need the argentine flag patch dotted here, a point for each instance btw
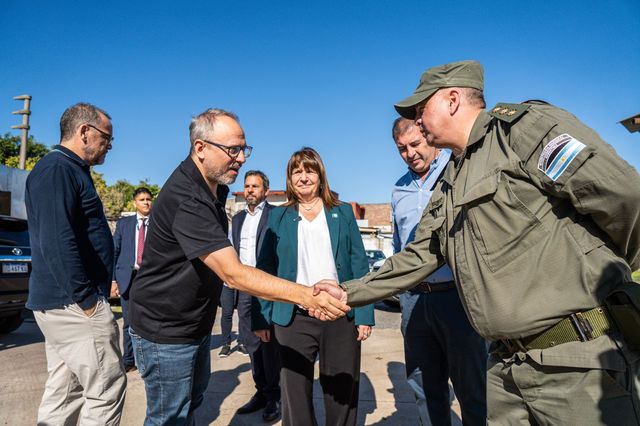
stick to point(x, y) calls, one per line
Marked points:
point(558, 154)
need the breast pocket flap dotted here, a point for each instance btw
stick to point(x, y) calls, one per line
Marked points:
point(487, 186)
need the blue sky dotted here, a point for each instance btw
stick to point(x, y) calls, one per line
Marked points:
point(319, 74)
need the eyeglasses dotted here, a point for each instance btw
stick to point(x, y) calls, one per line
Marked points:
point(106, 135)
point(232, 151)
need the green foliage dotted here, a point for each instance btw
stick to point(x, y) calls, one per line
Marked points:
point(10, 151)
point(636, 276)
point(118, 197)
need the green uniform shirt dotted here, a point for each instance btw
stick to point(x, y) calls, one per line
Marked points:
point(538, 218)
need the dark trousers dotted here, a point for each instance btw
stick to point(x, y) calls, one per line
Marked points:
point(127, 347)
point(231, 299)
point(339, 352)
point(265, 368)
point(439, 343)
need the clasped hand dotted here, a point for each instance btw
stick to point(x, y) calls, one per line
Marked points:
point(327, 302)
point(330, 301)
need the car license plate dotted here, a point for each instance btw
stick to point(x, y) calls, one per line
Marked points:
point(15, 268)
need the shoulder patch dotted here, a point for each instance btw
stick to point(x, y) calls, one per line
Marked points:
point(508, 112)
point(558, 154)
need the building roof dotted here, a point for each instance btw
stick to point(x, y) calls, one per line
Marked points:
point(632, 123)
point(271, 192)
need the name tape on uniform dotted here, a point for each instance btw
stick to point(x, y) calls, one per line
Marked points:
point(558, 154)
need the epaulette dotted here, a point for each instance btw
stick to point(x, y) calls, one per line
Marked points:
point(536, 102)
point(508, 112)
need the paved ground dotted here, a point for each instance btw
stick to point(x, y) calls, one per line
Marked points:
point(385, 398)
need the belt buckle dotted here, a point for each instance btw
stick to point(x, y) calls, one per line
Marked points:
point(514, 345)
point(582, 326)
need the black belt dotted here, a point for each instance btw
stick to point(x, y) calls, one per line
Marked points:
point(426, 287)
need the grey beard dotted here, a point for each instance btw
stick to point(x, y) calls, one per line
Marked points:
point(221, 177)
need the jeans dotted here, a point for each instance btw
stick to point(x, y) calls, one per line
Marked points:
point(439, 343)
point(175, 378)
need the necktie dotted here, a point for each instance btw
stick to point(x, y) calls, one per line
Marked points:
point(141, 233)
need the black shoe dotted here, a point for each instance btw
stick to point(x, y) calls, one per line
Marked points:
point(271, 411)
point(243, 350)
point(256, 402)
point(225, 351)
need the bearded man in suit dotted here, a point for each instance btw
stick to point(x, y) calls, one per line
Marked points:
point(248, 228)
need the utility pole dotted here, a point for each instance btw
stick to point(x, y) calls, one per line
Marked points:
point(25, 112)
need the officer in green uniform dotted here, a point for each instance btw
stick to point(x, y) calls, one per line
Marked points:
point(539, 220)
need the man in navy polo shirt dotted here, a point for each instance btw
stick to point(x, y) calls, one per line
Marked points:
point(72, 256)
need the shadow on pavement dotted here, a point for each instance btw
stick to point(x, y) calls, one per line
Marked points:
point(221, 385)
point(396, 373)
point(27, 334)
point(370, 405)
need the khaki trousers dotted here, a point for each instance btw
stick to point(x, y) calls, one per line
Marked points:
point(525, 393)
point(87, 381)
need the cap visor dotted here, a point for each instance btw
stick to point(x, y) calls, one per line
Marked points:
point(407, 107)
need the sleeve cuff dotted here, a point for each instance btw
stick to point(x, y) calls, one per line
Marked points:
point(88, 302)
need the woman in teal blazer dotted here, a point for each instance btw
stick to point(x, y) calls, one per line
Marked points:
point(314, 237)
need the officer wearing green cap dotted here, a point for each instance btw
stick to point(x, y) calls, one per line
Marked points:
point(539, 219)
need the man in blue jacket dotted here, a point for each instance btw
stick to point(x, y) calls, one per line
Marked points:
point(128, 244)
point(72, 252)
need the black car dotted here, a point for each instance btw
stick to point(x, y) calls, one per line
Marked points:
point(15, 261)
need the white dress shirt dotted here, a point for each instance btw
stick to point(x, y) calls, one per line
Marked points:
point(249, 235)
point(315, 256)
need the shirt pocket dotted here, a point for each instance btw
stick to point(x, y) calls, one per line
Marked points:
point(501, 226)
point(436, 211)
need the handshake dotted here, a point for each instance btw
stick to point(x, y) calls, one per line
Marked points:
point(327, 301)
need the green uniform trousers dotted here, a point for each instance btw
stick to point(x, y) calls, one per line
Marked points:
point(522, 392)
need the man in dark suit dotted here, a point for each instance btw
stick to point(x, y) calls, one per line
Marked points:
point(128, 241)
point(248, 228)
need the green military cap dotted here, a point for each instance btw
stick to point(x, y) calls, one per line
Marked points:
point(455, 74)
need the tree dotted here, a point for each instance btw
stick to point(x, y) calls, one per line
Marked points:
point(116, 198)
point(10, 151)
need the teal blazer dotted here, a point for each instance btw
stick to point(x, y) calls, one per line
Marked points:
point(279, 256)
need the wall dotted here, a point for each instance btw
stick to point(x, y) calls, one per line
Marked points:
point(14, 181)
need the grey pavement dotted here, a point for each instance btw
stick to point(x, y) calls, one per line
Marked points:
point(385, 397)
